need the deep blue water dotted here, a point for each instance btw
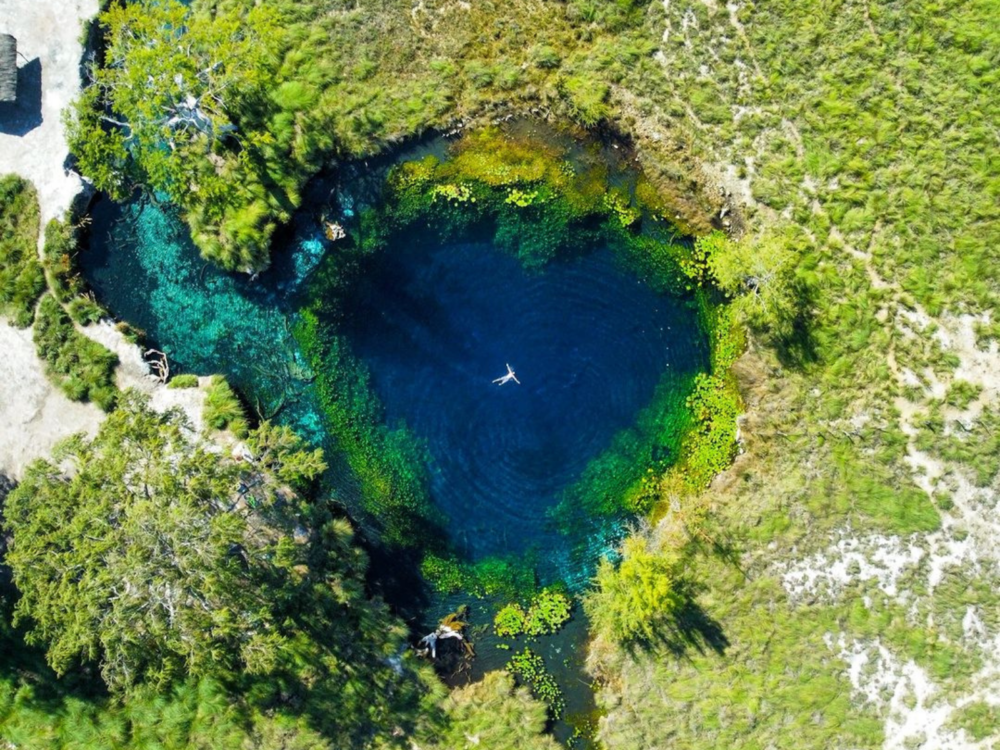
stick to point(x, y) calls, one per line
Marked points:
point(589, 343)
point(435, 323)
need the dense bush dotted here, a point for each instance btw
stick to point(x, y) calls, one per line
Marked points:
point(21, 279)
point(64, 278)
point(303, 84)
point(633, 600)
point(497, 714)
point(82, 368)
point(223, 409)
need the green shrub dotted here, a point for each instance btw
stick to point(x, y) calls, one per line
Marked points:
point(83, 369)
point(64, 278)
point(21, 278)
point(184, 380)
point(979, 719)
point(223, 408)
point(633, 600)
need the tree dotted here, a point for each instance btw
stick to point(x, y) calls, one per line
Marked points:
point(758, 275)
point(492, 713)
point(631, 601)
point(144, 555)
point(173, 110)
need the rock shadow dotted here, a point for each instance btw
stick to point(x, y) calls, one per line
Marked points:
point(24, 114)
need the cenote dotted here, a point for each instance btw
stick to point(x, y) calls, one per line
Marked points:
point(409, 320)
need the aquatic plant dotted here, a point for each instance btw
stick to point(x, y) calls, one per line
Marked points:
point(387, 462)
point(547, 612)
point(529, 668)
point(510, 620)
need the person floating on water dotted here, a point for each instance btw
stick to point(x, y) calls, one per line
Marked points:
point(503, 379)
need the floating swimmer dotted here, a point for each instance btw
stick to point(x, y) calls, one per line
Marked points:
point(503, 379)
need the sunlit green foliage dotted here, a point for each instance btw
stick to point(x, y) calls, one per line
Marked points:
point(83, 369)
point(492, 713)
point(59, 256)
point(508, 578)
point(223, 409)
point(157, 559)
point(21, 278)
point(509, 621)
point(547, 612)
point(633, 599)
point(176, 108)
point(128, 560)
point(980, 720)
point(184, 380)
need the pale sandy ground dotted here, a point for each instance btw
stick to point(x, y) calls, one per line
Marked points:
point(49, 30)
point(34, 415)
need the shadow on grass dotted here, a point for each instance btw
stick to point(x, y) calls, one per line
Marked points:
point(796, 347)
point(688, 628)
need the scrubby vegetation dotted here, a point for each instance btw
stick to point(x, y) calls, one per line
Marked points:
point(59, 257)
point(223, 410)
point(222, 606)
point(21, 279)
point(83, 369)
point(858, 138)
point(497, 714)
point(280, 87)
point(183, 380)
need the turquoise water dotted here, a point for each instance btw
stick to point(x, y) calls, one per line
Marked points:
point(435, 324)
point(144, 268)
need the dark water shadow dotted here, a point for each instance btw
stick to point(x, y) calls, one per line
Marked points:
point(24, 114)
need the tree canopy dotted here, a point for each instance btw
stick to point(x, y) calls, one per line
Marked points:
point(633, 599)
point(172, 110)
point(137, 549)
point(492, 713)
